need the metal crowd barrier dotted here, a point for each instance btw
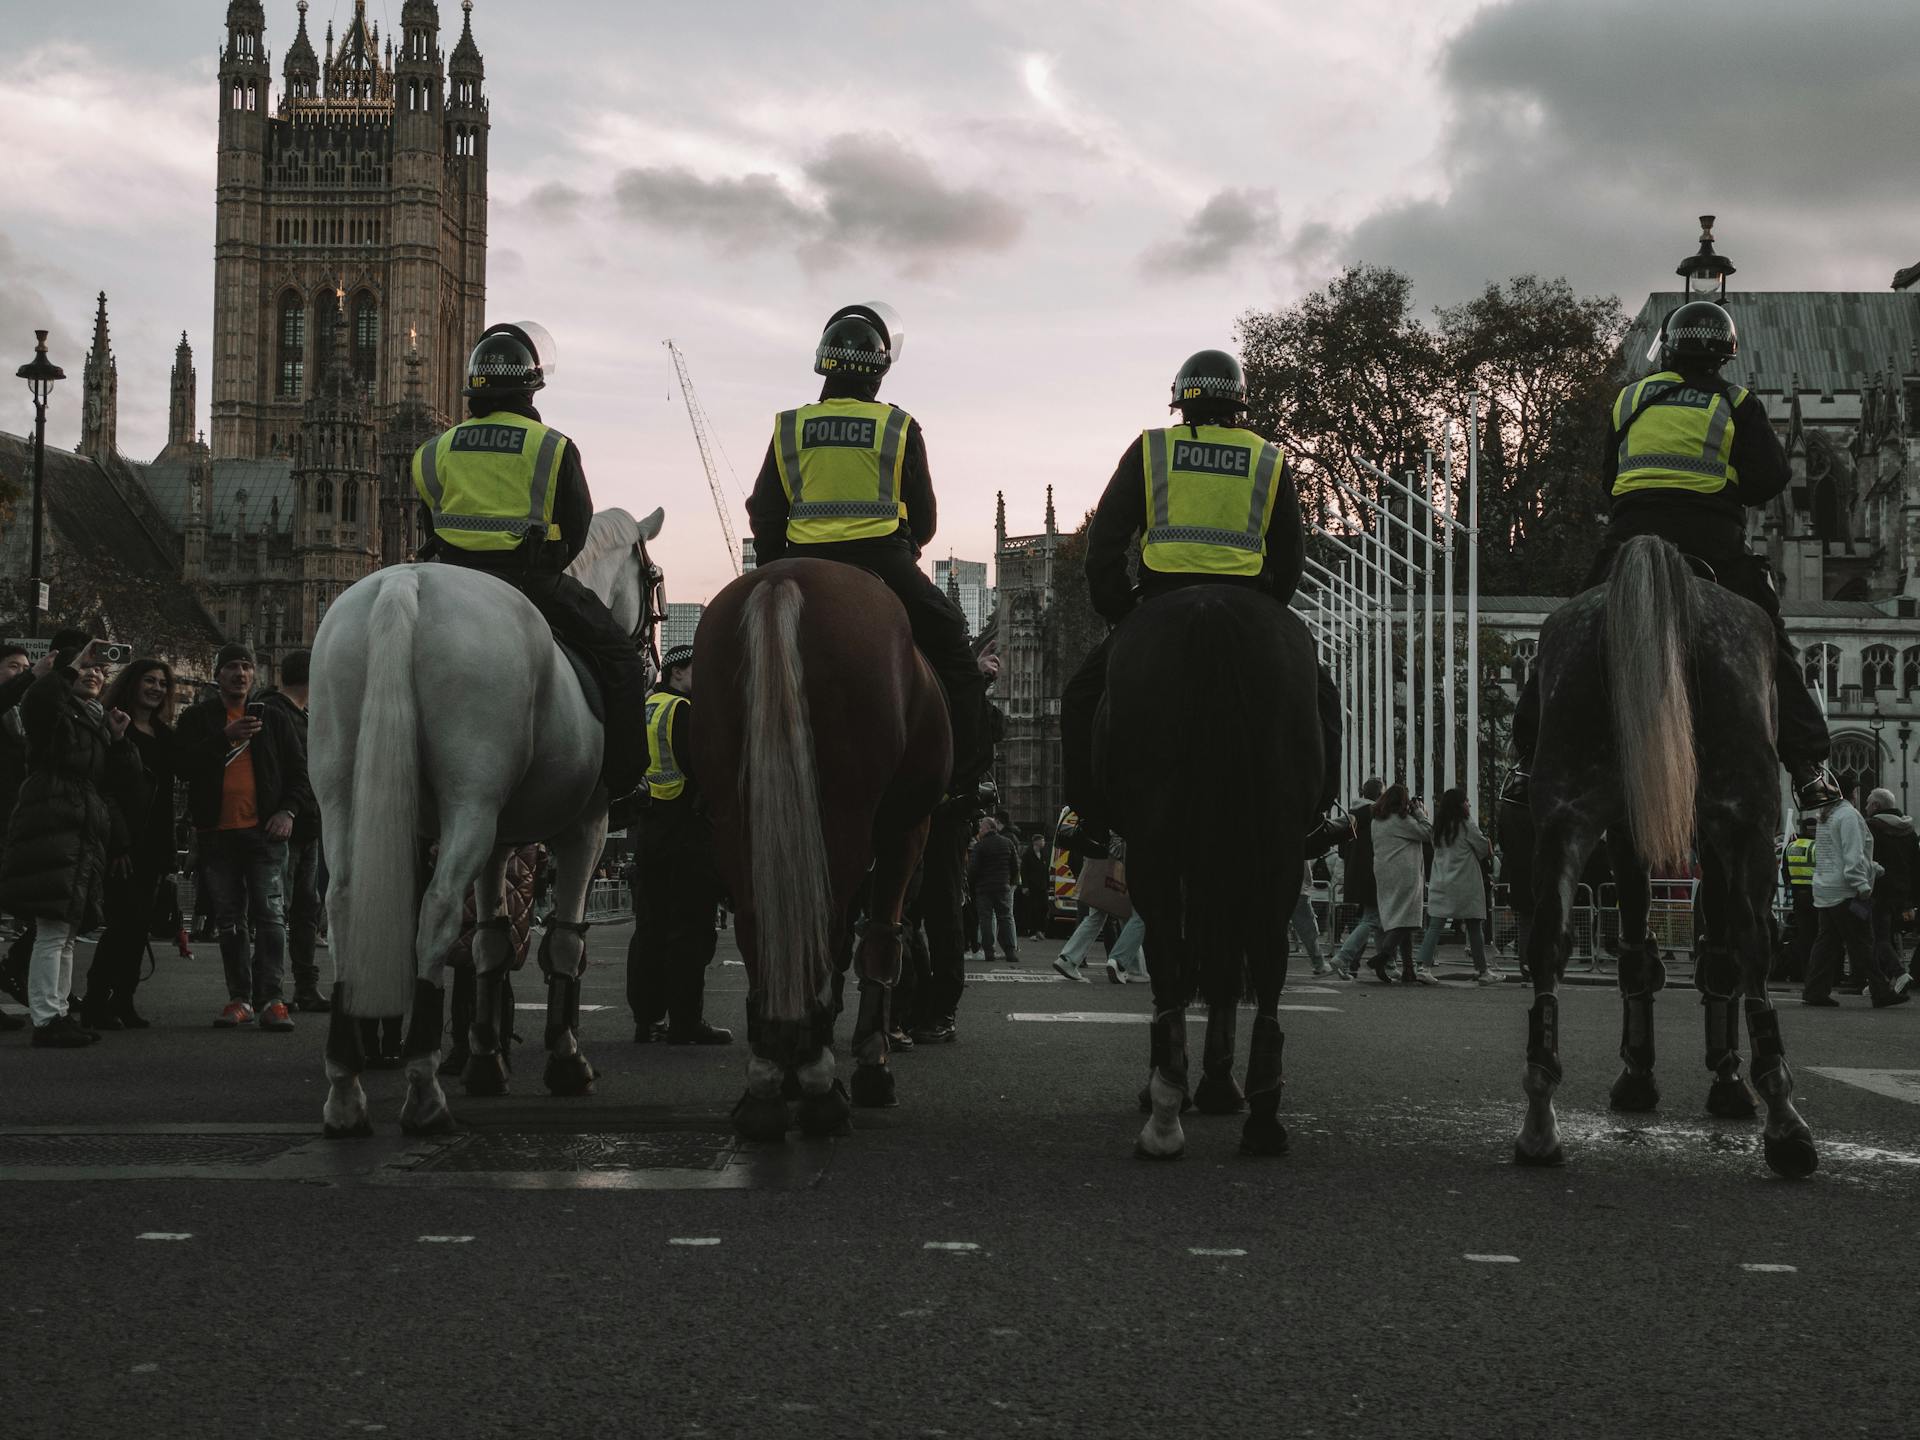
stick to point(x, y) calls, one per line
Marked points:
point(608, 900)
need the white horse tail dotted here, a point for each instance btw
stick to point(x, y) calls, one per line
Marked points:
point(1649, 619)
point(792, 889)
point(376, 954)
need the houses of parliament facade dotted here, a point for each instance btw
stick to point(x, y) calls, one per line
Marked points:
point(349, 283)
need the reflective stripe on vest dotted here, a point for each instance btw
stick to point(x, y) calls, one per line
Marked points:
point(489, 482)
point(1800, 861)
point(664, 780)
point(840, 463)
point(1210, 497)
point(1682, 441)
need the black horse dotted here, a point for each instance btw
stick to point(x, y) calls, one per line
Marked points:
point(1209, 753)
point(1656, 693)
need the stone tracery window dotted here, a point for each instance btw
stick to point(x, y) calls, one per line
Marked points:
point(1876, 669)
point(1820, 664)
point(1856, 762)
point(293, 345)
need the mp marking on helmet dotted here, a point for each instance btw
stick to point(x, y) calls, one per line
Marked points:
point(1212, 459)
point(855, 432)
point(494, 439)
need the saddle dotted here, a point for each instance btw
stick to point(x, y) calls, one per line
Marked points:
point(589, 681)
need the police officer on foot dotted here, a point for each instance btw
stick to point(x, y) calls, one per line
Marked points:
point(677, 889)
point(1216, 506)
point(846, 479)
point(504, 493)
point(1687, 454)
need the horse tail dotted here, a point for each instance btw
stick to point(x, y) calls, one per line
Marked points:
point(1647, 625)
point(792, 888)
point(375, 952)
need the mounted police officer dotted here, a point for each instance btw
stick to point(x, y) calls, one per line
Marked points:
point(1687, 454)
point(504, 492)
point(1215, 505)
point(676, 888)
point(845, 478)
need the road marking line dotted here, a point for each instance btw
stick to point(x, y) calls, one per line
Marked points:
point(1894, 1084)
point(164, 1235)
point(694, 1240)
point(1772, 1269)
point(1131, 1017)
point(1203, 1250)
point(1493, 1259)
point(954, 1245)
point(542, 1005)
point(1016, 977)
point(446, 1239)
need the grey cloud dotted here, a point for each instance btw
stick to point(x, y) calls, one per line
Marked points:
point(1584, 139)
point(24, 308)
point(863, 192)
point(1231, 223)
point(555, 200)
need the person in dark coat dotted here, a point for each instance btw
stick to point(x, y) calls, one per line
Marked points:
point(301, 884)
point(1036, 886)
point(1361, 891)
point(144, 691)
point(991, 868)
point(1897, 851)
point(16, 678)
point(67, 825)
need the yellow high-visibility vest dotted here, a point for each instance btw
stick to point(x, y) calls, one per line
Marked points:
point(1800, 860)
point(840, 463)
point(664, 778)
point(490, 482)
point(1682, 441)
point(1210, 497)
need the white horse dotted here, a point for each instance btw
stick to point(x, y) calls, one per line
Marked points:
point(445, 711)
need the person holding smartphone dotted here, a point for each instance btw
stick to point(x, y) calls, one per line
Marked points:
point(68, 826)
point(246, 774)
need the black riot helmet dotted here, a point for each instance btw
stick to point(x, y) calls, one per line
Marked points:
point(510, 362)
point(856, 341)
point(1698, 336)
point(1211, 382)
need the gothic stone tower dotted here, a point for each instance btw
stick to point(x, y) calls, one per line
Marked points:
point(336, 477)
point(369, 179)
point(100, 400)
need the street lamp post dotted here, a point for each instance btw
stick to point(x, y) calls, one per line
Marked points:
point(1876, 724)
point(1904, 734)
point(39, 373)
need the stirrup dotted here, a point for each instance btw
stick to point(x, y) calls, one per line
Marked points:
point(1819, 790)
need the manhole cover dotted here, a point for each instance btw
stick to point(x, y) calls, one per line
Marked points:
point(99, 1151)
point(671, 1150)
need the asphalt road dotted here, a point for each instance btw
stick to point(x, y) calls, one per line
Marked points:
point(987, 1258)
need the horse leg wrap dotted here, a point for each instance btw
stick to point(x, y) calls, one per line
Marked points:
point(1218, 1093)
point(870, 1026)
point(563, 1013)
point(563, 949)
point(1543, 1036)
point(1264, 1080)
point(1170, 1047)
point(486, 1036)
point(1717, 973)
point(343, 1036)
point(429, 1022)
point(1771, 1072)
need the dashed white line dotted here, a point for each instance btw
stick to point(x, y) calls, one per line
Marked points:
point(955, 1245)
point(694, 1240)
point(1772, 1269)
point(1204, 1250)
point(542, 1005)
point(1493, 1259)
point(446, 1239)
point(164, 1235)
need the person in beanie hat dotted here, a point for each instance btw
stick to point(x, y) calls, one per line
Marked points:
point(676, 887)
point(301, 883)
point(246, 774)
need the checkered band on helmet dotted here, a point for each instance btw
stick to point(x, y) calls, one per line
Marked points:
point(1700, 330)
point(1210, 376)
point(852, 345)
point(678, 655)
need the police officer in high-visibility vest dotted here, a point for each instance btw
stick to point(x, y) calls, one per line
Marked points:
point(1686, 455)
point(1215, 505)
point(845, 478)
point(676, 886)
point(504, 492)
point(1803, 922)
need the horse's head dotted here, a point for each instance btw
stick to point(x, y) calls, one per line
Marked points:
point(614, 564)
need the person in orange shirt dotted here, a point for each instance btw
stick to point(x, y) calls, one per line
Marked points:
point(246, 772)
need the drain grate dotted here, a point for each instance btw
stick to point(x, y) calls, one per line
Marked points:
point(604, 1152)
point(106, 1151)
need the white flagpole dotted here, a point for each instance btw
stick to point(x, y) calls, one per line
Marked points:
point(1473, 608)
point(1448, 769)
point(1412, 691)
point(1426, 659)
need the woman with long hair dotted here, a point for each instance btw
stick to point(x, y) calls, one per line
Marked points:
point(1400, 834)
point(1457, 889)
point(144, 692)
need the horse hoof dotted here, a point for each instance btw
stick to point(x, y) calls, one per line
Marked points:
point(1549, 1160)
point(485, 1075)
point(1634, 1094)
point(1218, 1095)
point(1792, 1155)
point(437, 1123)
point(358, 1130)
point(1263, 1135)
point(1141, 1152)
point(1146, 1100)
point(568, 1075)
point(1732, 1100)
point(873, 1087)
point(827, 1114)
point(760, 1118)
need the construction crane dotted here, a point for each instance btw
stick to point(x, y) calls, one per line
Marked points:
point(698, 419)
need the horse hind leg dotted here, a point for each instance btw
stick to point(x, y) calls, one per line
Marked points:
point(1218, 1093)
point(345, 1113)
point(879, 961)
point(1562, 853)
point(1161, 1138)
point(563, 958)
point(1263, 1134)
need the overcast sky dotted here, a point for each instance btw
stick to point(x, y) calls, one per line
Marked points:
point(1062, 199)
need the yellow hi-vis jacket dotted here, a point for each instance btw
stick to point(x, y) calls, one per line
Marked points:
point(1682, 441)
point(1800, 860)
point(664, 778)
point(1210, 497)
point(490, 482)
point(840, 463)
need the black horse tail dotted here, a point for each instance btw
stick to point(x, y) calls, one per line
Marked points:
point(1649, 617)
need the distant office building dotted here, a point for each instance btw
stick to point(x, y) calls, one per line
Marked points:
point(966, 582)
point(683, 618)
point(747, 562)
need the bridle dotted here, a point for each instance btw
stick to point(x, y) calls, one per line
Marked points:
point(653, 611)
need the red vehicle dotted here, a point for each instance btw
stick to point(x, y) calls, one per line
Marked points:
point(1063, 911)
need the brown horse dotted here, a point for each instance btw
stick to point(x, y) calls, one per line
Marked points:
point(833, 730)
